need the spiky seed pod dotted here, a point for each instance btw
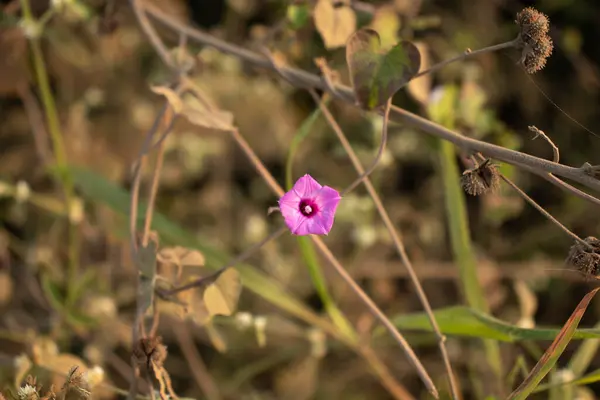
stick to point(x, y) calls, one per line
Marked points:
point(532, 23)
point(536, 45)
point(585, 258)
point(481, 179)
point(534, 58)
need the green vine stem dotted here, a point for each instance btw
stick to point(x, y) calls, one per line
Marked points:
point(61, 168)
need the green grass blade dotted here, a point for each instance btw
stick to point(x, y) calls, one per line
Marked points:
point(306, 247)
point(468, 322)
point(552, 354)
point(99, 190)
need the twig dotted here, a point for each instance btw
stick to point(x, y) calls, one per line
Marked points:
point(305, 79)
point(384, 136)
point(398, 244)
point(205, 280)
point(150, 32)
point(468, 53)
point(155, 179)
point(278, 190)
point(540, 133)
point(543, 211)
point(194, 360)
point(540, 208)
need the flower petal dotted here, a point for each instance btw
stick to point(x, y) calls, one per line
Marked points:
point(327, 199)
point(306, 186)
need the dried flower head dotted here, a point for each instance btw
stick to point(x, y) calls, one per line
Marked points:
point(75, 386)
point(481, 179)
point(532, 22)
point(536, 45)
point(150, 351)
point(309, 208)
point(585, 258)
point(28, 392)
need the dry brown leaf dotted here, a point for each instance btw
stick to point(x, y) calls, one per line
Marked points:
point(197, 113)
point(216, 338)
point(335, 24)
point(181, 256)
point(221, 297)
point(420, 87)
point(172, 97)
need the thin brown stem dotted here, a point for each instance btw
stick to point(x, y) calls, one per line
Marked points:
point(466, 54)
point(205, 280)
point(540, 133)
point(305, 79)
point(398, 243)
point(150, 32)
point(156, 179)
point(278, 190)
point(380, 151)
point(543, 211)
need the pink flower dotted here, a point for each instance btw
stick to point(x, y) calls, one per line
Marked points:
point(309, 208)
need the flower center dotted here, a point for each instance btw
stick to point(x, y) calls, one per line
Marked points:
point(308, 207)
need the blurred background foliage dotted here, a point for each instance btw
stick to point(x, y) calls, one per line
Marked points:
point(101, 68)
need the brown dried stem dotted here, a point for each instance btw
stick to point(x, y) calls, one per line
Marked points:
point(384, 136)
point(469, 53)
point(305, 79)
point(395, 235)
point(539, 208)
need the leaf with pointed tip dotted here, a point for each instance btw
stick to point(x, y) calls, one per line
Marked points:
point(376, 75)
point(550, 357)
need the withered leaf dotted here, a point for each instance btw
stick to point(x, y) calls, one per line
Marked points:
point(334, 23)
point(181, 256)
point(221, 297)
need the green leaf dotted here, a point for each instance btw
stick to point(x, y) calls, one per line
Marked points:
point(53, 293)
point(221, 297)
point(298, 15)
point(97, 189)
point(465, 321)
point(552, 354)
point(377, 75)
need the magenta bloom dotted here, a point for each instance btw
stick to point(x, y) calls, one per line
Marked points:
point(309, 208)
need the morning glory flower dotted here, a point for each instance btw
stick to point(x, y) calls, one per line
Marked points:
point(309, 208)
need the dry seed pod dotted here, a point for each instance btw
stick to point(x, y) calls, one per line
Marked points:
point(584, 258)
point(481, 179)
point(150, 351)
point(536, 45)
point(532, 22)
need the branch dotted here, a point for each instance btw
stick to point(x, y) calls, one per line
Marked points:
point(304, 79)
